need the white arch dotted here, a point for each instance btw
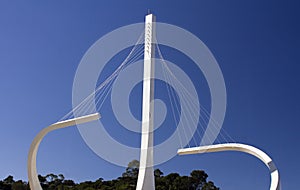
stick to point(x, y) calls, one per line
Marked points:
point(275, 181)
point(31, 163)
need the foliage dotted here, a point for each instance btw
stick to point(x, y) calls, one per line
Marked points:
point(173, 181)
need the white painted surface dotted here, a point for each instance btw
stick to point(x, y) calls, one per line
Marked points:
point(275, 181)
point(146, 173)
point(31, 163)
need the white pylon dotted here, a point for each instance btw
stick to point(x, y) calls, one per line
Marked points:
point(146, 175)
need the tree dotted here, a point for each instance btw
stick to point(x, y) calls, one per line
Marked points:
point(51, 178)
point(69, 183)
point(158, 173)
point(173, 181)
point(132, 169)
point(98, 183)
point(9, 180)
point(61, 177)
point(182, 183)
point(4, 186)
point(169, 179)
point(159, 180)
point(19, 185)
point(84, 185)
point(198, 178)
point(89, 188)
point(43, 181)
point(209, 186)
point(129, 177)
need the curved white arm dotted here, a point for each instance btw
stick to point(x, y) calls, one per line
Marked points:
point(275, 181)
point(31, 163)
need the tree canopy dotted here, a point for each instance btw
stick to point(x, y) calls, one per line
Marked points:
point(197, 180)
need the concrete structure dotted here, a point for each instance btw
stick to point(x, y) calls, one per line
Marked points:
point(31, 162)
point(146, 173)
point(275, 181)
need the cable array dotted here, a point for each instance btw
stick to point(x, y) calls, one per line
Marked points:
point(190, 117)
point(101, 92)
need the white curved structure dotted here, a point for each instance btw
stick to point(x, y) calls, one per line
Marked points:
point(31, 163)
point(275, 181)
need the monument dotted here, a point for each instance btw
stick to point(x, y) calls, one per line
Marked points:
point(146, 172)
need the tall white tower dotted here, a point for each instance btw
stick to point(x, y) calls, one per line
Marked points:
point(146, 173)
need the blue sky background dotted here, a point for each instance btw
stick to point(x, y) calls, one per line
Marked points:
point(256, 44)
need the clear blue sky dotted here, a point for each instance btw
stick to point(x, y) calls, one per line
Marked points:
point(256, 44)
